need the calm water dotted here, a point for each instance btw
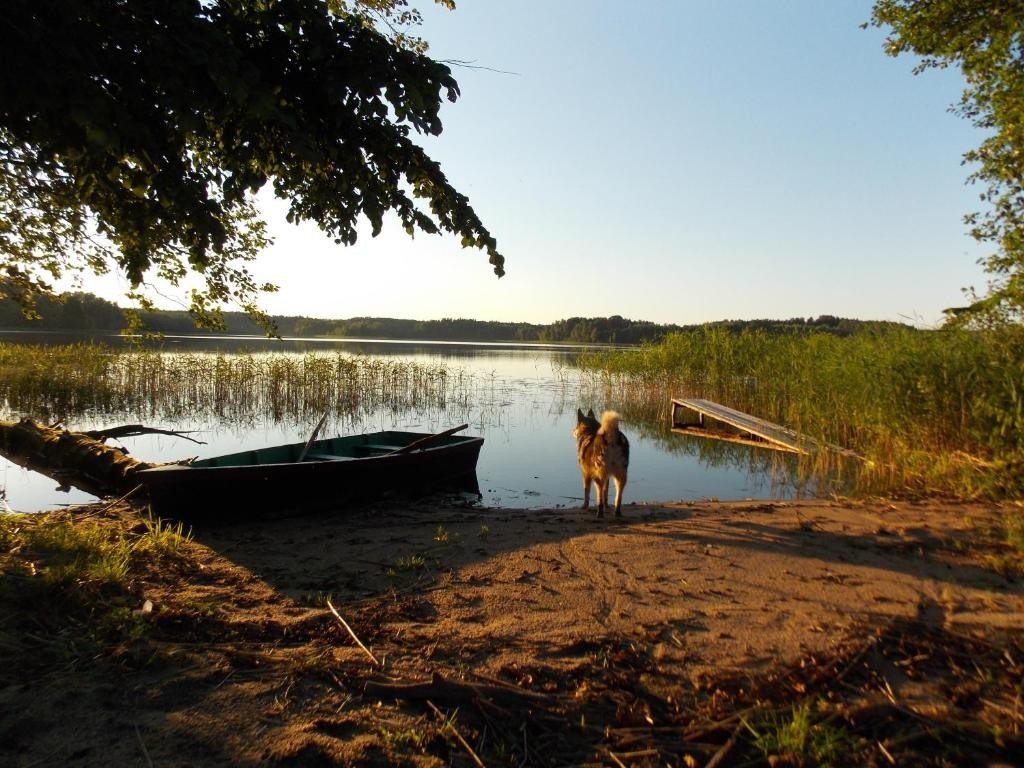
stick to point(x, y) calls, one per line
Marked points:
point(524, 405)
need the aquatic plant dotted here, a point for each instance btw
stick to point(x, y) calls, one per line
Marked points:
point(53, 381)
point(929, 411)
point(64, 382)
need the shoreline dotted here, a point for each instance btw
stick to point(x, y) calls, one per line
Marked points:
point(550, 613)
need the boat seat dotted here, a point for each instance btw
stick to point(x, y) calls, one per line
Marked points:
point(325, 457)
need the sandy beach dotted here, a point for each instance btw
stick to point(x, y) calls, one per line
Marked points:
point(607, 624)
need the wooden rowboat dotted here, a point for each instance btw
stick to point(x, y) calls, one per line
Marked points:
point(311, 476)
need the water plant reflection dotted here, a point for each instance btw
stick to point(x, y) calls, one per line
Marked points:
point(521, 400)
point(63, 383)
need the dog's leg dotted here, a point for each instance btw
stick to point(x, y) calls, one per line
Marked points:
point(620, 483)
point(586, 491)
point(602, 496)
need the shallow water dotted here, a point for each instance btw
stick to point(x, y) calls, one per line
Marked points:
point(523, 402)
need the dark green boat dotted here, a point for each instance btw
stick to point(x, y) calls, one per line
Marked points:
point(311, 476)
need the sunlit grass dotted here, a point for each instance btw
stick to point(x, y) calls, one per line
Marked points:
point(163, 538)
point(800, 740)
point(407, 564)
point(63, 554)
point(929, 411)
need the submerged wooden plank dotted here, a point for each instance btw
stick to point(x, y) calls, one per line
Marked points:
point(732, 437)
point(709, 419)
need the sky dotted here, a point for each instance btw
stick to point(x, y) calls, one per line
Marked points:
point(673, 161)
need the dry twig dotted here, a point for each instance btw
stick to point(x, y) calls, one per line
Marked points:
point(721, 754)
point(353, 634)
point(142, 744)
point(458, 736)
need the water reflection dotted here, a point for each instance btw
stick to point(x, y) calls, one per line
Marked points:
point(521, 399)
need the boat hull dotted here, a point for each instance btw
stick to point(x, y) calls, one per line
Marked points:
point(207, 493)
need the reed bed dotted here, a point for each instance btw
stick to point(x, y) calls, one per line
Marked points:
point(48, 380)
point(237, 388)
point(929, 411)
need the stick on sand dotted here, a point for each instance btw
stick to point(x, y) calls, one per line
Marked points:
point(352, 634)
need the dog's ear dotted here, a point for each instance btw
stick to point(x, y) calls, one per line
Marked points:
point(590, 414)
point(579, 415)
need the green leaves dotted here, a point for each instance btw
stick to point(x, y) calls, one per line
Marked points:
point(141, 137)
point(985, 38)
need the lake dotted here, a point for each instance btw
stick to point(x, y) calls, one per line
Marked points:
point(521, 398)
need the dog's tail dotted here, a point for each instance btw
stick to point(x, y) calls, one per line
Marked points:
point(609, 422)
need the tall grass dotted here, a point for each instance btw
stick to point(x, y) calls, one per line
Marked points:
point(240, 388)
point(937, 411)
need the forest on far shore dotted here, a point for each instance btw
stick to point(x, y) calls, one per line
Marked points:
point(85, 312)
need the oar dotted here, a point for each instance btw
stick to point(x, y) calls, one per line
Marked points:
point(423, 442)
point(316, 431)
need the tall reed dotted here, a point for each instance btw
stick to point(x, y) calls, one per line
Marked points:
point(939, 411)
point(237, 388)
point(48, 380)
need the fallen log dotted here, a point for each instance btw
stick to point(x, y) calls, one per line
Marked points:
point(70, 458)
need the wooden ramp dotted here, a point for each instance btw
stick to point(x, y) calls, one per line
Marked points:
point(703, 418)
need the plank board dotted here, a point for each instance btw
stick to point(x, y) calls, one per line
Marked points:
point(703, 416)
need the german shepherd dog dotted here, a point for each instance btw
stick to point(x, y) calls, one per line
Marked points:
point(603, 452)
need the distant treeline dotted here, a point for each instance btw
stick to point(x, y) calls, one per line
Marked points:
point(89, 313)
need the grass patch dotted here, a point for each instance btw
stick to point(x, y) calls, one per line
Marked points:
point(401, 739)
point(408, 564)
point(316, 599)
point(1008, 536)
point(61, 379)
point(799, 740)
point(444, 537)
point(162, 538)
point(998, 545)
point(69, 588)
point(60, 554)
point(124, 625)
point(1014, 525)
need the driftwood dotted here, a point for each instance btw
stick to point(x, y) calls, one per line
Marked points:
point(134, 430)
point(71, 458)
point(352, 634)
point(440, 688)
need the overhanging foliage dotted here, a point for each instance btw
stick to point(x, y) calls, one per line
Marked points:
point(136, 134)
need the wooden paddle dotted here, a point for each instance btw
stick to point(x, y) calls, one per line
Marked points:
point(316, 431)
point(423, 442)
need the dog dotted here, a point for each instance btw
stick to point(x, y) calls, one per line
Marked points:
point(603, 453)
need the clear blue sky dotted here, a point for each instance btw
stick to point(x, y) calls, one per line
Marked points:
point(674, 161)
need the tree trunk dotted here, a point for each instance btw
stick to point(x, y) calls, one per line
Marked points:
point(70, 458)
